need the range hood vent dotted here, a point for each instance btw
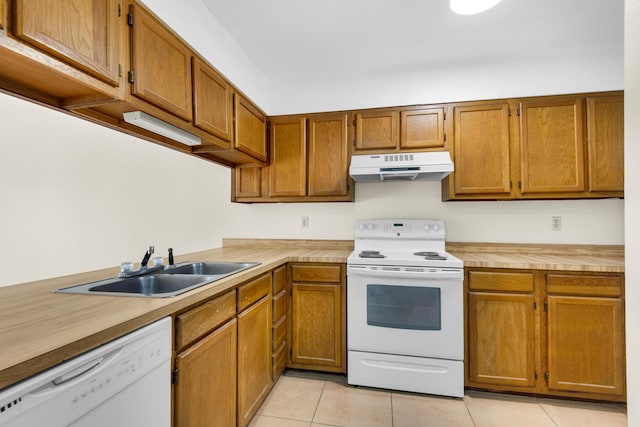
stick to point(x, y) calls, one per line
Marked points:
point(429, 166)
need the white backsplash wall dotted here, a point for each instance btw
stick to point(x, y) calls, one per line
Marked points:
point(583, 221)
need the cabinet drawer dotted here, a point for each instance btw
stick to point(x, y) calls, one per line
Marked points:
point(279, 279)
point(586, 285)
point(279, 332)
point(279, 305)
point(202, 319)
point(316, 273)
point(279, 361)
point(500, 282)
point(253, 291)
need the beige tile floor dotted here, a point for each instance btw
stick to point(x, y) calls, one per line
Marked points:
point(316, 401)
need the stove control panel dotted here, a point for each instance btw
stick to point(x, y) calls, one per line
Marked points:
point(399, 229)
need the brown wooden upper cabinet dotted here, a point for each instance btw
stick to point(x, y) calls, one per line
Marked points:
point(212, 101)
point(328, 155)
point(552, 146)
point(410, 129)
point(481, 149)
point(251, 129)
point(160, 65)
point(288, 169)
point(1, 14)
point(309, 161)
point(555, 147)
point(605, 143)
point(79, 32)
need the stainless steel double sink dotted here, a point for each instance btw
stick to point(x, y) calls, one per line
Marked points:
point(164, 283)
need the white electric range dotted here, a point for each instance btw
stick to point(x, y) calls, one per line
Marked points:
point(405, 308)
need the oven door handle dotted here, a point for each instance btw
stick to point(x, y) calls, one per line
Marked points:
point(429, 274)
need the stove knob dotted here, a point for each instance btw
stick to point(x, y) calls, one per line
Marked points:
point(428, 226)
point(370, 226)
point(436, 227)
point(363, 226)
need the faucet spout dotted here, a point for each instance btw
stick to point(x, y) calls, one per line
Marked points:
point(147, 255)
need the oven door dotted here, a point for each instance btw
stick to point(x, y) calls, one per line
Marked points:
point(400, 311)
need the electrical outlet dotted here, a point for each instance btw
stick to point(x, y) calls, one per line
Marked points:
point(305, 221)
point(556, 223)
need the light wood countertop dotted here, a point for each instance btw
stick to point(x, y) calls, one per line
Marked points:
point(595, 258)
point(39, 329)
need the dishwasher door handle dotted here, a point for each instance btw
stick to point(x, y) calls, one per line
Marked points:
point(75, 373)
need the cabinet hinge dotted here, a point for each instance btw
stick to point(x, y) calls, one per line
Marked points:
point(445, 137)
point(520, 185)
point(509, 111)
point(535, 375)
point(119, 10)
point(518, 111)
point(535, 305)
point(510, 184)
point(546, 376)
point(546, 306)
point(131, 77)
point(130, 19)
point(175, 376)
point(119, 70)
point(444, 116)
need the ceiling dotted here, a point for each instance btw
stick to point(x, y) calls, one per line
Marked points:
point(330, 39)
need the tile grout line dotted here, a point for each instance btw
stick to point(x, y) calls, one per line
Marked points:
point(548, 414)
point(313, 418)
point(468, 411)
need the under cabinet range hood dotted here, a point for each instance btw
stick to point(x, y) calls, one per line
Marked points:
point(424, 166)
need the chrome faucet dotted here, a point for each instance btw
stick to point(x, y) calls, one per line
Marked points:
point(144, 269)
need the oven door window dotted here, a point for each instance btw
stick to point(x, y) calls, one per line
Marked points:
point(404, 307)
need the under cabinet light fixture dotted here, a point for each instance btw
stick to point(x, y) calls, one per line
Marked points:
point(471, 7)
point(150, 123)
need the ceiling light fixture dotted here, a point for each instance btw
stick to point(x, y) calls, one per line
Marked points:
point(471, 7)
point(150, 123)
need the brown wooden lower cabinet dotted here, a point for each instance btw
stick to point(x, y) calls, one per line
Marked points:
point(205, 364)
point(254, 358)
point(552, 333)
point(207, 373)
point(318, 314)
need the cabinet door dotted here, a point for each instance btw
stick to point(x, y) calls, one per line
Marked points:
point(207, 374)
point(317, 335)
point(328, 155)
point(605, 139)
point(251, 128)
point(422, 128)
point(248, 182)
point(501, 340)
point(254, 358)
point(288, 168)
point(80, 32)
point(1, 14)
point(585, 345)
point(377, 130)
point(212, 101)
point(551, 146)
point(481, 149)
point(161, 65)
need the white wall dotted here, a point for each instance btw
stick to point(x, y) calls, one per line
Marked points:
point(521, 75)
point(75, 196)
point(632, 206)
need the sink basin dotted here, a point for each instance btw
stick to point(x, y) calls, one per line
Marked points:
point(165, 283)
point(155, 284)
point(209, 268)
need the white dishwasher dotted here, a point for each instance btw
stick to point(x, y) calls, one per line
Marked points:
point(124, 383)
